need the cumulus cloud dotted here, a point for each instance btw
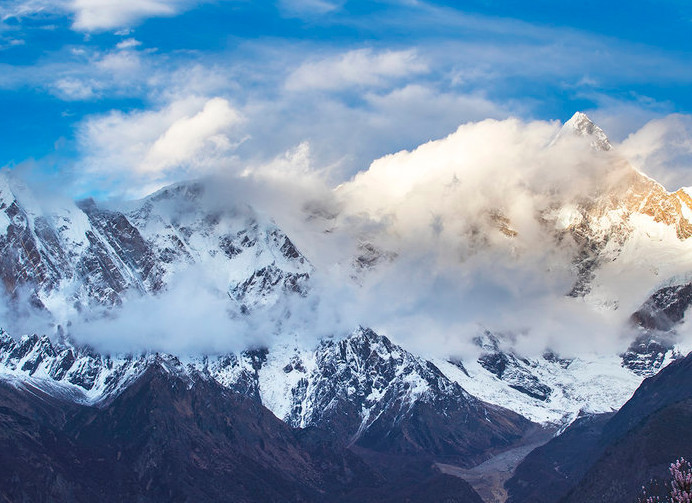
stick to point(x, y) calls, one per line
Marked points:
point(433, 245)
point(434, 216)
point(663, 149)
point(360, 67)
point(186, 136)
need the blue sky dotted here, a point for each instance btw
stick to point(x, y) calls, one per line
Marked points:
point(118, 98)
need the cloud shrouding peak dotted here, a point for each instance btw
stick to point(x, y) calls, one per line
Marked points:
point(428, 245)
point(472, 230)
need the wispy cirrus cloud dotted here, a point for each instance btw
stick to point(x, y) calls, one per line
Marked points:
point(309, 8)
point(93, 15)
point(98, 15)
point(352, 97)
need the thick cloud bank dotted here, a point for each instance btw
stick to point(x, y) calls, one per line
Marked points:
point(430, 246)
point(453, 239)
point(471, 232)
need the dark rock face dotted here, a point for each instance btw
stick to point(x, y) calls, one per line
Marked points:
point(610, 459)
point(665, 308)
point(34, 464)
point(647, 353)
point(369, 392)
point(512, 369)
point(23, 261)
point(130, 247)
point(655, 322)
point(640, 458)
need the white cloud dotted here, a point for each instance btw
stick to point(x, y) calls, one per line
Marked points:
point(417, 107)
point(662, 148)
point(190, 317)
point(361, 67)
point(25, 8)
point(187, 135)
point(95, 74)
point(121, 64)
point(98, 15)
point(128, 43)
point(309, 7)
point(432, 208)
point(94, 15)
point(346, 136)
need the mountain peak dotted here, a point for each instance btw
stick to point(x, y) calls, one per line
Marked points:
point(581, 125)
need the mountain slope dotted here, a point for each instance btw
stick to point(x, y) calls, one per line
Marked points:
point(362, 390)
point(195, 223)
point(167, 437)
point(611, 458)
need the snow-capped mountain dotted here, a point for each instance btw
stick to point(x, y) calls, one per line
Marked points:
point(604, 233)
point(362, 390)
point(75, 373)
point(191, 223)
point(544, 388)
point(367, 391)
point(69, 257)
point(629, 219)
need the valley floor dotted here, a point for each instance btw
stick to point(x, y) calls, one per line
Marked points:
point(488, 478)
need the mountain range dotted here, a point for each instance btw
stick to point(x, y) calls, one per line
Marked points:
point(349, 415)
